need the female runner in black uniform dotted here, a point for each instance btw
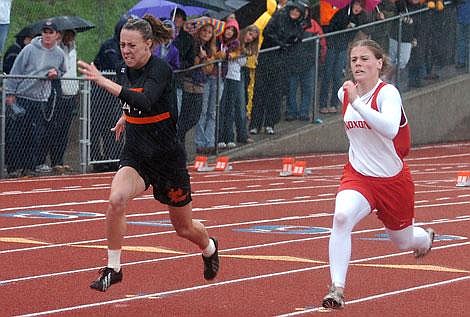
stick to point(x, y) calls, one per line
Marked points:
point(151, 154)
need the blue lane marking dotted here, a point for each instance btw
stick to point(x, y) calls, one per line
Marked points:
point(285, 229)
point(52, 214)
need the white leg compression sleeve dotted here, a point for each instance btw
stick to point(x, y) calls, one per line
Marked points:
point(410, 238)
point(350, 208)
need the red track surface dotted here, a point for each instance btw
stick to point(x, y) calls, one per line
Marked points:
point(273, 233)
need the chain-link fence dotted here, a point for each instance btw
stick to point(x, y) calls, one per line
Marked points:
point(66, 125)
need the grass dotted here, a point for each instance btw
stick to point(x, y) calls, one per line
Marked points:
point(102, 13)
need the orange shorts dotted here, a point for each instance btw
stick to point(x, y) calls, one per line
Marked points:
point(392, 197)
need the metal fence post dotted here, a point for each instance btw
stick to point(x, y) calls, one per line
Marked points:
point(85, 89)
point(2, 131)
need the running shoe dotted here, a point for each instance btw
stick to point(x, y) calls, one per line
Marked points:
point(211, 264)
point(419, 253)
point(108, 277)
point(334, 299)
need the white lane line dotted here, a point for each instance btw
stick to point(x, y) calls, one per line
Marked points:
point(217, 284)
point(382, 295)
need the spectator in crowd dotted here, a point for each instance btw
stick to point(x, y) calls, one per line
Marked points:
point(204, 136)
point(194, 80)
point(5, 9)
point(42, 57)
point(232, 109)
point(302, 70)
point(249, 38)
point(348, 17)
point(66, 106)
point(104, 114)
point(152, 155)
point(408, 38)
point(184, 42)
point(229, 51)
point(284, 29)
point(416, 64)
point(385, 9)
point(12, 52)
point(14, 114)
point(463, 34)
point(168, 50)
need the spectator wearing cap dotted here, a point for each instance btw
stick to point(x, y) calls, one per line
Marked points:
point(67, 103)
point(42, 58)
point(168, 50)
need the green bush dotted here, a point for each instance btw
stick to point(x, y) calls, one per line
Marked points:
point(102, 13)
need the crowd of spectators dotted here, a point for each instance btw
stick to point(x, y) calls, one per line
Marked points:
point(232, 69)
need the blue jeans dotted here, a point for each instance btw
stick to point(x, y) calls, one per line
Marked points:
point(463, 42)
point(333, 74)
point(205, 127)
point(307, 81)
point(33, 133)
point(231, 112)
point(3, 35)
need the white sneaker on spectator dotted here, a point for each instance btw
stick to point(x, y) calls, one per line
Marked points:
point(221, 145)
point(43, 168)
point(269, 130)
point(231, 145)
point(254, 131)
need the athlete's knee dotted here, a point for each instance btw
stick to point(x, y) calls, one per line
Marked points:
point(117, 202)
point(341, 220)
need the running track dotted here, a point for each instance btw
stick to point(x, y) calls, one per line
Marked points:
point(273, 234)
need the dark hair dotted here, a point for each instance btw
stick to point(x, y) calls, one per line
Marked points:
point(376, 49)
point(150, 28)
point(178, 12)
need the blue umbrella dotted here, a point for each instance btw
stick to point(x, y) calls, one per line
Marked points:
point(163, 8)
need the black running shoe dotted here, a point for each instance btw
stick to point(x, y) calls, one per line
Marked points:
point(211, 264)
point(108, 277)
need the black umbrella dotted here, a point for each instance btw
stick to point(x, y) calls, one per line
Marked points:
point(250, 12)
point(63, 23)
point(216, 5)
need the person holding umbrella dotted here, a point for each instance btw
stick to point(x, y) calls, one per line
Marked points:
point(151, 154)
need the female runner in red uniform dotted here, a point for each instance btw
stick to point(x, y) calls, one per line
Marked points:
point(375, 177)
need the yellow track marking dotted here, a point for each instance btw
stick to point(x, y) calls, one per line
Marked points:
point(433, 268)
point(21, 240)
point(133, 248)
point(272, 258)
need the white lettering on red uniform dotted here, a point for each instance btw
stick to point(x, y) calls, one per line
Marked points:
point(371, 153)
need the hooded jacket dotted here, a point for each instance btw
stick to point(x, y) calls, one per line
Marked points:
point(35, 60)
point(281, 30)
point(109, 56)
point(11, 54)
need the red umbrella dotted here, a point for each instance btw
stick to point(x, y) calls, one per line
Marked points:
point(369, 5)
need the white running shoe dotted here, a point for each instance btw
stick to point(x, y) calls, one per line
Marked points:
point(334, 299)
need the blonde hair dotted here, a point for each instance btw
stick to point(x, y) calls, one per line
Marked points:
point(251, 48)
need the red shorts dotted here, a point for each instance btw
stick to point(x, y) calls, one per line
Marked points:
point(393, 197)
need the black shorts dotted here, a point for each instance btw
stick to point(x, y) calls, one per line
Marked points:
point(167, 173)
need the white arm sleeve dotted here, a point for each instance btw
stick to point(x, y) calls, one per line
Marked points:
point(386, 121)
